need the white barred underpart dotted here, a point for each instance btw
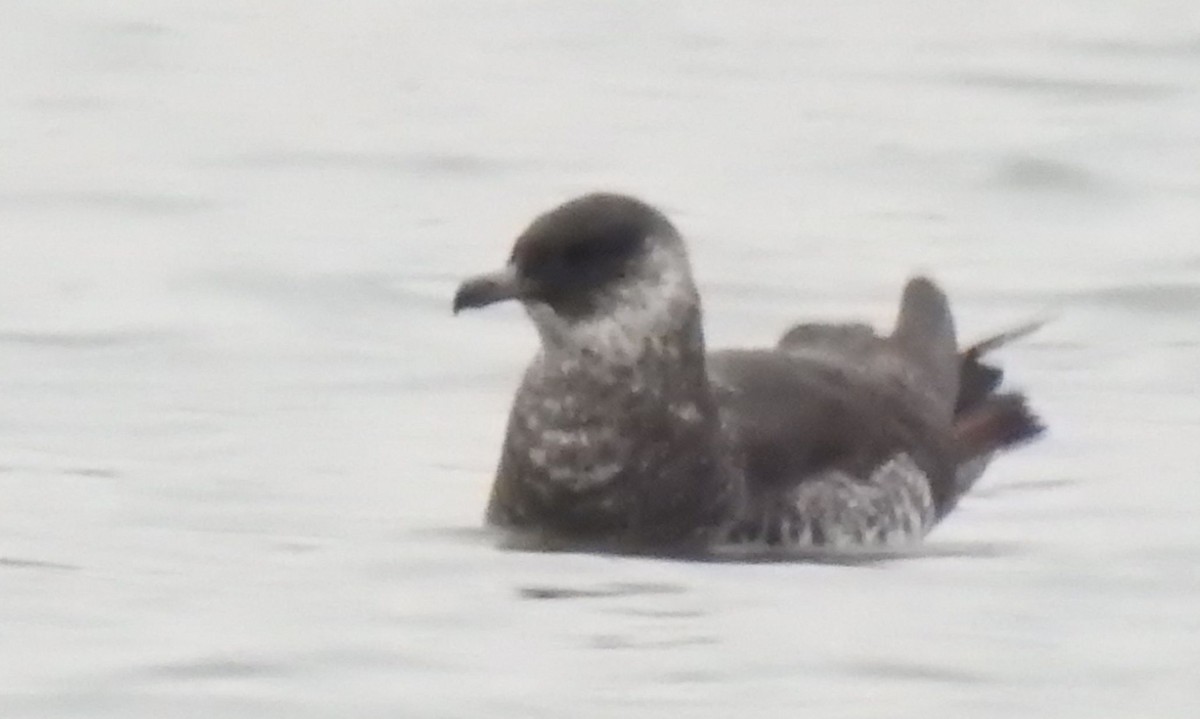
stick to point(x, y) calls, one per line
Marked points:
point(892, 507)
point(637, 317)
point(572, 457)
point(634, 315)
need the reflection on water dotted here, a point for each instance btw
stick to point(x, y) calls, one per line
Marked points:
point(244, 451)
point(608, 590)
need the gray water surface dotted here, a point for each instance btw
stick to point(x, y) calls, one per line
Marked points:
point(244, 449)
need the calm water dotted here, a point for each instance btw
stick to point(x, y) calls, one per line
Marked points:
point(244, 448)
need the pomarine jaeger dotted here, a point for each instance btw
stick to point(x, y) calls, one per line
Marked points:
point(628, 435)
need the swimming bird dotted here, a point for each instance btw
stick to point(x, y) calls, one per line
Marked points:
point(626, 434)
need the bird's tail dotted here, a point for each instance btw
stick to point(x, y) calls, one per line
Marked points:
point(999, 421)
point(977, 380)
point(987, 421)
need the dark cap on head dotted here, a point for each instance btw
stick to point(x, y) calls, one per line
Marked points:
point(569, 253)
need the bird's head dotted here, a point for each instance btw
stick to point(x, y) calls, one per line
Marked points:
point(602, 270)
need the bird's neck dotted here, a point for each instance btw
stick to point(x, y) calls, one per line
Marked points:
point(648, 364)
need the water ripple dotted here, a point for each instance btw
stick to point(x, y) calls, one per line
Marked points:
point(83, 340)
point(130, 202)
point(416, 163)
point(615, 589)
point(1064, 88)
point(1040, 173)
point(1162, 297)
point(22, 563)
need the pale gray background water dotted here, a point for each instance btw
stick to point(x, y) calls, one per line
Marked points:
point(244, 448)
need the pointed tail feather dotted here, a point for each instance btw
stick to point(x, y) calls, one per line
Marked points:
point(1008, 336)
point(977, 380)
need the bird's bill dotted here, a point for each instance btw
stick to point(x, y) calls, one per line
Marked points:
point(486, 289)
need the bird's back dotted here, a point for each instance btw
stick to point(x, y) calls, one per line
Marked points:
point(821, 420)
point(795, 416)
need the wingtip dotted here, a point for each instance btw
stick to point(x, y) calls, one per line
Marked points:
point(919, 284)
point(924, 313)
point(924, 332)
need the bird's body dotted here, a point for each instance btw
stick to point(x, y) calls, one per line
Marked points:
point(627, 434)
